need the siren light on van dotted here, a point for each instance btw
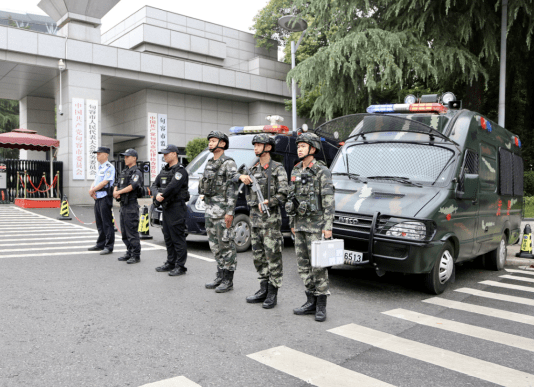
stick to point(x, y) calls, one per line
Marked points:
point(407, 108)
point(279, 129)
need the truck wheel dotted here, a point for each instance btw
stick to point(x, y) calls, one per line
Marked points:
point(437, 280)
point(494, 260)
point(242, 232)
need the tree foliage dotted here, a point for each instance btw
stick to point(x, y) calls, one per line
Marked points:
point(194, 147)
point(9, 120)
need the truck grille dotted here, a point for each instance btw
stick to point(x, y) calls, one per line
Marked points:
point(357, 222)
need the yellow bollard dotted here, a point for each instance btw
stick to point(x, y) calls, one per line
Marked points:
point(144, 224)
point(64, 210)
point(526, 245)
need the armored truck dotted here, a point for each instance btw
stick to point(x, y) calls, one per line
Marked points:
point(420, 187)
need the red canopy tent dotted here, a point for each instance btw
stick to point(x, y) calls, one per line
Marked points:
point(30, 140)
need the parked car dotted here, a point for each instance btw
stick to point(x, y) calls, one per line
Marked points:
point(420, 187)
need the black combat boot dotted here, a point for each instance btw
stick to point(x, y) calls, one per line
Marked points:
point(217, 281)
point(320, 312)
point(227, 284)
point(309, 306)
point(260, 295)
point(165, 267)
point(134, 260)
point(124, 258)
point(270, 301)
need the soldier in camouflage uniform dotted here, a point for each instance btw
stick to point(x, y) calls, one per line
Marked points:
point(311, 209)
point(220, 195)
point(266, 235)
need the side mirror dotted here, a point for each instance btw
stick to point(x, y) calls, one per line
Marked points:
point(470, 187)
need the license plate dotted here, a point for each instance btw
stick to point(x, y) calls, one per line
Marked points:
point(353, 256)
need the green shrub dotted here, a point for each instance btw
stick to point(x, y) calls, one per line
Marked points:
point(194, 147)
point(529, 207)
point(529, 183)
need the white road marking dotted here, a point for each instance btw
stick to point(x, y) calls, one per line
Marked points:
point(507, 286)
point(33, 226)
point(496, 296)
point(46, 231)
point(517, 278)
point(467, 365)
point(483, 310)
point(200, 257)
point(81, 235)
point(180, 381)
point(529, 272)
point(313, 370)
point(73, 253)
point(47, 248)
point(464, 329)
point(24, 243)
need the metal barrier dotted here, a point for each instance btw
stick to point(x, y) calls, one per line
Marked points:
point(35, 170)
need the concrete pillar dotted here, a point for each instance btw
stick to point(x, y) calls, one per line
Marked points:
point(36, 113)
point(76, 84)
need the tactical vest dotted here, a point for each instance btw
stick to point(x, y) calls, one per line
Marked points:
point(124, 181)
point(308, 191)
point(207, 185)
point(166, 175)
point(261, 175)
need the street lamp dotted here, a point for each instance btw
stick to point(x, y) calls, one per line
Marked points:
point(294, 24)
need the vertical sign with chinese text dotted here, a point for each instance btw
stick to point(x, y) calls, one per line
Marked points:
point(162, 138)
point(92, 138)
point(78, 139)
point(153, 144)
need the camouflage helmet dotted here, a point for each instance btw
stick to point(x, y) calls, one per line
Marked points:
point(311, 139)
point(264, 138)
point(220, 136)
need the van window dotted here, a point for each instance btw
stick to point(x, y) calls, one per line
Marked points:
point(506, 178)
point(469, 166)
point(488, 168)
point(517, 162)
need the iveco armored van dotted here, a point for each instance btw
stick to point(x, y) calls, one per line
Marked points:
point(420, 187)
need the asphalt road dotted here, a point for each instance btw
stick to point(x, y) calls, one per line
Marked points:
point(70, 317)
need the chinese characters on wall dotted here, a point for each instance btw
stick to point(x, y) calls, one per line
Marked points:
point(78, 139)
point(153, 144)
point(162, 139)
point(92, 137)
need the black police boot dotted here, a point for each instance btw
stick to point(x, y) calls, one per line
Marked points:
point(309, 306)
point(270, 301)
point(227, 283)
point(134, 260)
point(178, 270)
point(217, 281)
point(260, 295)
point(165, 267)
point(320, 311)
point(124, 258)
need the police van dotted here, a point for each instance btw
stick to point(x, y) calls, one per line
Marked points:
point(424, 185)
point(242, 151)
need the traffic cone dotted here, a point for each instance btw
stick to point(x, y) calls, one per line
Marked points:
point(526, 245)
point(113, 218)
point(64, 211)
point(144, 224)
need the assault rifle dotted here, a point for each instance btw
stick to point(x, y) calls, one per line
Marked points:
point(256, 188)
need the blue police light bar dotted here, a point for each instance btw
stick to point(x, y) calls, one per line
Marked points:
point(389, 108)
point(237, 129)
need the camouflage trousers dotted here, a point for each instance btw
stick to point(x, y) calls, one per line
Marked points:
point(315, 279)
point(221, 243)
point(267, 254)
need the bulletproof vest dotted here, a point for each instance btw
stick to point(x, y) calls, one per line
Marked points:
point(308, 191)
point(166, 176)
point(261, 174)
point(124, 181)
point(207, 184)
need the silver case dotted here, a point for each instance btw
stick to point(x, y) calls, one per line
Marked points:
point(326, 253)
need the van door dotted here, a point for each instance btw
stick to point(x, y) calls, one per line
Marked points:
point(491, 205)
point(465, 222)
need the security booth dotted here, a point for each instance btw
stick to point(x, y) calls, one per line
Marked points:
point(32, 190)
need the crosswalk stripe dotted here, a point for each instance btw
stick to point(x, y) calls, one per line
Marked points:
point(80, 235)
point(6, 229)
point(47, 231)
point(24, 243)
point(464, 329)
point(75, 253)
point(467, 365)
point(179, 381)
point(496, 296)
point(517, 278)
point(47, 248)
point(30, 226)
point(313, 370)
point(482, 310)
point(200, 257)
point(529, 272)
point(507, 286)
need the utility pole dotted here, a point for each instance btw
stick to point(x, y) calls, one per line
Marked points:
point(502, 76)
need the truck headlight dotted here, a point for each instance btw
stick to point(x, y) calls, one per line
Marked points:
point(409, 230)
point(199, 204)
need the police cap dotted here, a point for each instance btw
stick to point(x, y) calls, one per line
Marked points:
point(170, 148)
point(102, 149)
point(129, 152)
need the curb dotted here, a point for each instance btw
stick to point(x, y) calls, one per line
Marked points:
point(520, 262)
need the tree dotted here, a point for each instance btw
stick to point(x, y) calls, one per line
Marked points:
point(194, 147)
point(9, 120)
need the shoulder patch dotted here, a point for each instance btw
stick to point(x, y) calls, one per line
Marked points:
point(108, 174)
point(177, 175)
point(136, 177)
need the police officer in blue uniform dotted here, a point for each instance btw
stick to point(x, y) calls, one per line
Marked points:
point(101, 190)
point(126, 191)
point(170, 190)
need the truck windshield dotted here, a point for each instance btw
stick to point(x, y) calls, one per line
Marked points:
point(415, 163)
point(241, 156)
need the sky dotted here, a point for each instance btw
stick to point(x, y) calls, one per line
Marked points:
point(236, 14)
